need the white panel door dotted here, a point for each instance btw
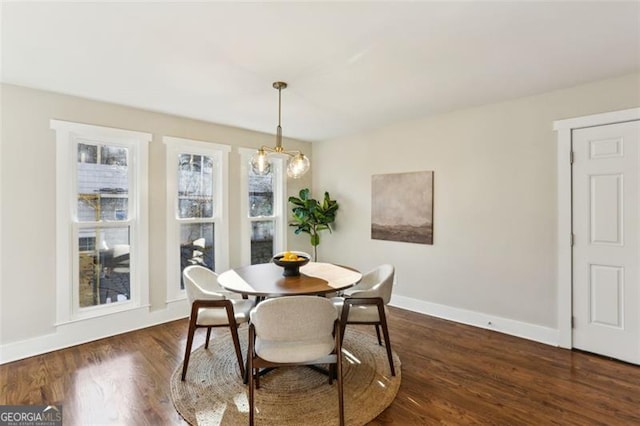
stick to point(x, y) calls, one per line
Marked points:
point(606, 288)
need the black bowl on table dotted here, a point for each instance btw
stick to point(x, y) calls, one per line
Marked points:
point(291, 267)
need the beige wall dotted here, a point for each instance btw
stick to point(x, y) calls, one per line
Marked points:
point(495, 236)
point(495, 209)
point(27, 284)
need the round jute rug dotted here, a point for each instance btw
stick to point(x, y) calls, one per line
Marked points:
point(213, 392)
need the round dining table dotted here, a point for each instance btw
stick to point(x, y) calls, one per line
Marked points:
point(266, 279)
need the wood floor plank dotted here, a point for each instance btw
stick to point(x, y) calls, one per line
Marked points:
point(451, 374)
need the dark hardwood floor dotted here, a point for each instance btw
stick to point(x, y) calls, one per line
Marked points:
point(451, 374)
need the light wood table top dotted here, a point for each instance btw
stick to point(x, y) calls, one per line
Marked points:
point(266, 279)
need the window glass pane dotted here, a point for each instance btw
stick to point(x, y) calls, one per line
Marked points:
point(87, 153)
point(104, 266)
point(86, 243)
point(113, 155)
point(196, 246)
point(261, 241)
point(260, 194)
point(102, 183)
point(195, 186)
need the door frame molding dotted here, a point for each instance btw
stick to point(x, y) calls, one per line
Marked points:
point(564, 129)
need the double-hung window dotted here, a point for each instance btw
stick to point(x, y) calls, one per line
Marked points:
point(197, 209)
point(102, 219)
point(262, 207)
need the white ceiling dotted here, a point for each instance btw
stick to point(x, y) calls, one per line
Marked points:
point(350, 66)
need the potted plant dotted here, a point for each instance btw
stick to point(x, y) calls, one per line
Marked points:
point(310, 216)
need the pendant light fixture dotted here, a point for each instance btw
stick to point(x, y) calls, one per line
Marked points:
point(298, 163)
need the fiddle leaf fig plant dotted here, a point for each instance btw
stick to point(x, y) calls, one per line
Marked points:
point(311, 216)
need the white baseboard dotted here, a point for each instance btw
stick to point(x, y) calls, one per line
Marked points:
point(78, 332)
point(75, 333)
point(549, 336)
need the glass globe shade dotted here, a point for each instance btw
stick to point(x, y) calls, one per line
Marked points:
point(298, 166)
point(260, 164)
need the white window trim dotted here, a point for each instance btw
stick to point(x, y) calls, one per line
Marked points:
point(279, 204)
point(174, 147)
point(67, 134)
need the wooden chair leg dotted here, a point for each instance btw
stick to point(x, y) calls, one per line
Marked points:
point(236, 345)
point(187, 351)
point(339, 380)
point(251, 398)
point(378, 334)
point(387, 342)
point(332, 372)
point(245, 378)
point(206, 342)
point(251, 376)
point(344, 317)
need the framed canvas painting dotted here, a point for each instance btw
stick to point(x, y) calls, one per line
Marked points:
point(402, 207)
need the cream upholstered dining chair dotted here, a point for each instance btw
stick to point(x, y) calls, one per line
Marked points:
point(365, 303)
point(294, 330)
point(210, 307)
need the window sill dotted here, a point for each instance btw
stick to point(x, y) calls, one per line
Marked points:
point(103, 311)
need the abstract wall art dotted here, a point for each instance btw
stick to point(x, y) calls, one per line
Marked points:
point(402, 207)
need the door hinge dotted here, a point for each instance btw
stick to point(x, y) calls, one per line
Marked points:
point(572, 239)
point(573, 322)
point(571, 157)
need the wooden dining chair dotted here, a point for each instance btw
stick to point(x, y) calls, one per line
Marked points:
point(210, 308)
point(292, 331)
point(365, 303)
